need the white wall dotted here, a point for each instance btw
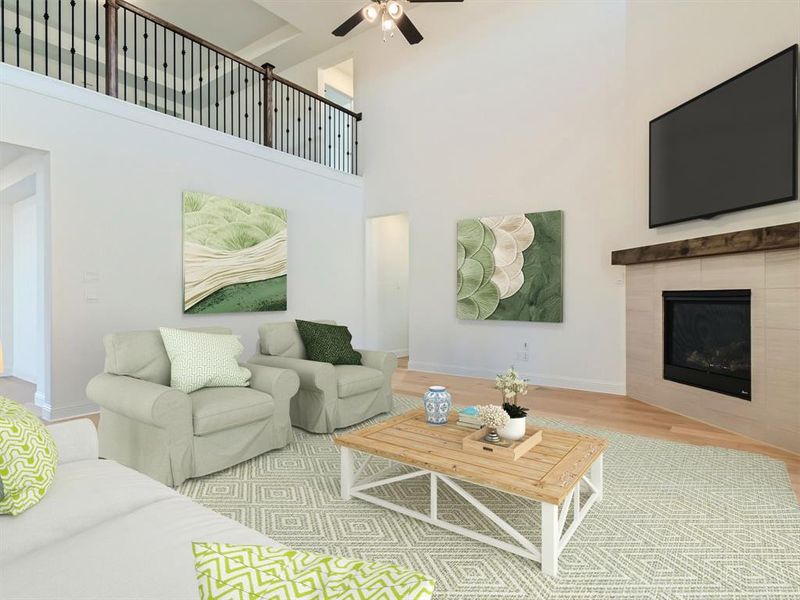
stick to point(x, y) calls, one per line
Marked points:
point(116, 176)
point(386, 283)
point(505, 107)
point(526, 106)
point(677, 50)
point(25, 278)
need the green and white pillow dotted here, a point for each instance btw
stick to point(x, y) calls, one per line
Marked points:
point(28, 457)
point(228, 571)
point(201, 360)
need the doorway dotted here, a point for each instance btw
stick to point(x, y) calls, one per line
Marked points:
point(335, 83)
point(24, 288)
point(386, 285)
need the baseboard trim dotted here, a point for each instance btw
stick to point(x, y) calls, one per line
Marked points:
point(68, 412)
point(570, 383)
point(40, 401)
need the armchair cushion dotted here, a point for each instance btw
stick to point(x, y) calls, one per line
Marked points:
point(215, 409)
point(202, 360)
point(354, 379)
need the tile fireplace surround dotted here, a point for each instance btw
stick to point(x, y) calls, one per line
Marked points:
point(767, 264)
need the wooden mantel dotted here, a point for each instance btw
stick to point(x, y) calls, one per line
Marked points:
point(775, 237)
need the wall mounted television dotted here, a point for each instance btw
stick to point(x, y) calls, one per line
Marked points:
point(730, 148)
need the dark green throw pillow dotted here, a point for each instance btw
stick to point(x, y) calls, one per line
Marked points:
point(328, 343)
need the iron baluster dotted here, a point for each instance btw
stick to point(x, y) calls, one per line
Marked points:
point(174, 75)
point(125, 54)
point(97, 45)
point(33, 50)
point(145, 63)
point(84, 42)
point(166, 64)
point(46, 38)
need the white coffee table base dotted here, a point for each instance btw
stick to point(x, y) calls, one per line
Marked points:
point(554, 535)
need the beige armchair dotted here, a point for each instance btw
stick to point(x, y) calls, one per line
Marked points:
point(171, 436)
point(330, 396)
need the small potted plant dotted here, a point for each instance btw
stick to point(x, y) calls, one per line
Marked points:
point(511, 385)
point(495, 418)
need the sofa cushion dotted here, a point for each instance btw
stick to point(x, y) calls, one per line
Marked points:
point(283, 339)
point(352, 380)
point(227, 570)
point(201, 360)
point(141, 354)
point(83, 495)
point(130, 550)
point(215, 409)
point(28, 458)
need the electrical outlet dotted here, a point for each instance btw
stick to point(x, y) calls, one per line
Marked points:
point(522, 356)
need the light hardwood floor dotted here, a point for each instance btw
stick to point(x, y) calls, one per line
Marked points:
point(617, 413)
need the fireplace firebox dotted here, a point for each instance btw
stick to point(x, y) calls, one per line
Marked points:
point(707, 340)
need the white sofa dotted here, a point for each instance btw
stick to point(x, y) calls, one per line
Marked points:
point(107, 532)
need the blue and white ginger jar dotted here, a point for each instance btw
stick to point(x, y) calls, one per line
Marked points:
point(437, 403)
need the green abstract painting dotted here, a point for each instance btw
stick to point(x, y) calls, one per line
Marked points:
point(509, 268)
point(234, 255)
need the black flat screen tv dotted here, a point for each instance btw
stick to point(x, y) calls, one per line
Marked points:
point(730, 148)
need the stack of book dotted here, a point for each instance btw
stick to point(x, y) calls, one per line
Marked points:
point(468, 417)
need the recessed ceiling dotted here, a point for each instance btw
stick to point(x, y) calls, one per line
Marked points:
point(231, 24)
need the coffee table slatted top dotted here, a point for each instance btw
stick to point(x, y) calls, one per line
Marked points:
point(547, 473)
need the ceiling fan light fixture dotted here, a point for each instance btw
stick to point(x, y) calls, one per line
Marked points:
point(371, 13)
point(387, 24)
point(394, 8)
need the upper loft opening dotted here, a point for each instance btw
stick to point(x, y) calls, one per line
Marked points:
point(125, 51)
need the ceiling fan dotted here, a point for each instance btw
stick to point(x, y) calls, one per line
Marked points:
point(391, 15)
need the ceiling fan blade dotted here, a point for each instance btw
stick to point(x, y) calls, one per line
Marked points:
point(408, 29)
point(350, 24)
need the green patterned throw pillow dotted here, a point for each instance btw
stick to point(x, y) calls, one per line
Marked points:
point(227, 572)
point(328, 343)
point(28, 458)
point(201, 360)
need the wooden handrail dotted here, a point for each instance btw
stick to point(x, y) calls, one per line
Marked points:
point(323, 99)
point(196, 38)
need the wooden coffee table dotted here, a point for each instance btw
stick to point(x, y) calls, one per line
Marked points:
point(552, 473)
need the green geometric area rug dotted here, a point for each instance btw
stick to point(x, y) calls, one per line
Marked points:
point(676, 522)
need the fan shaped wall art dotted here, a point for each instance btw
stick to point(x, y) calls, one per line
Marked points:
point(234, 255)
point(509, 268)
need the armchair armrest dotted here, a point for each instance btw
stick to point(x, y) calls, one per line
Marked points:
point(383, 361)
point(140, 400)
point(75, 440)
point(278, 383)
point(312, 375)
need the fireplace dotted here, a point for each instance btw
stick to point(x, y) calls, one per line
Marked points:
point(707, 340)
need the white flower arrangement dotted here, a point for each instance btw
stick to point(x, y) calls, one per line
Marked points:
point(493, 416)
point(511, 385)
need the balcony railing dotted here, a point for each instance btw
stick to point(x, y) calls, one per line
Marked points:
point(118, 49)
